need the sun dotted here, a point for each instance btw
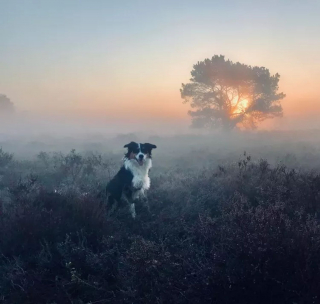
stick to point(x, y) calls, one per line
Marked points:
point(239, 107)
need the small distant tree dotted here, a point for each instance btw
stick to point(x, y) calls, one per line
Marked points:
point(6, 106)
point(225, 95)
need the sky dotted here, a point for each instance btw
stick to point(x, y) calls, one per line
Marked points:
point(113, 61)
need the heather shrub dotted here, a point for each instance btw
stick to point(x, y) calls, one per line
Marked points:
point(5, 158)
point(241, 231)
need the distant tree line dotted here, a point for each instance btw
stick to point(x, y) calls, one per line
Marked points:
point(6, 105)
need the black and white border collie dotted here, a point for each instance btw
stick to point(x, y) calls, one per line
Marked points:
point(132, 181)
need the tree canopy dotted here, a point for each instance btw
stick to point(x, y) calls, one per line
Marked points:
point(223, 94)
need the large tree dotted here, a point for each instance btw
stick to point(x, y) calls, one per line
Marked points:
point(225, 95)
point(6, 106)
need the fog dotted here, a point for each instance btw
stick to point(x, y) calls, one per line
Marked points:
point(179, 146)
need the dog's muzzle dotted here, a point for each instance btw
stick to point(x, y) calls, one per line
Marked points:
point(140, 159)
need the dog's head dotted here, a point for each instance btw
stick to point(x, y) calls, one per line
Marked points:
point(139, 152)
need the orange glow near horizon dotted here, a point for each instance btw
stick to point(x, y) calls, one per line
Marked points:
point(164, 108)
point(149, 99)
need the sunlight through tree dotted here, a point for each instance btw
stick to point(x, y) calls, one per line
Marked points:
point(227, 95)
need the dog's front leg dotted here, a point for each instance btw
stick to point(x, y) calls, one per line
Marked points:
point(133, 210)
point(132, 207)
point(141, 196)
point(128, 199)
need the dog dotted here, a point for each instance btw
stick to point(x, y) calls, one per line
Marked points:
point(132, 181)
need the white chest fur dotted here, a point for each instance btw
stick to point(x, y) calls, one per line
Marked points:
point(141, 178)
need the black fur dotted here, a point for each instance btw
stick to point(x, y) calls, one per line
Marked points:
point(121, 182)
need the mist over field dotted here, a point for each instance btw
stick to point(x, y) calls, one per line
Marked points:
point(26, 137)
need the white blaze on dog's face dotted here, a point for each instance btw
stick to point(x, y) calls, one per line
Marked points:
point(139, 152)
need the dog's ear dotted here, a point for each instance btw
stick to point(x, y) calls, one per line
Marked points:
point(131, 144)
point(150, 146)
